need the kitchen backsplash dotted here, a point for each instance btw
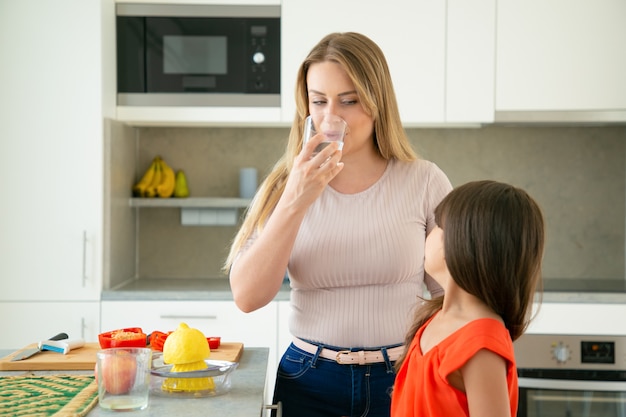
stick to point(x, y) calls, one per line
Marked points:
point(577, 174)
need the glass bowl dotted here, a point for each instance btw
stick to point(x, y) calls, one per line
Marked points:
point(210, 382)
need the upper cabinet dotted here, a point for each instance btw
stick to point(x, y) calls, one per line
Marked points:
point(561, 60)
point(470, 61)
point(441, 56)
point(412, 38)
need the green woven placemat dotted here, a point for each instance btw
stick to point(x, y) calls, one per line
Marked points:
point(50, 395)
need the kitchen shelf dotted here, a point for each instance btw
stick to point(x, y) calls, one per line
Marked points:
point(195, 202)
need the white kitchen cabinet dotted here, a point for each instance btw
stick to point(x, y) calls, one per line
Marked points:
point(213, 318)
point(441, 54)
point(470, 61)
point(24, 323)
point(411, 34)
point(561, 55)
point(54, 63)
point(51, 152)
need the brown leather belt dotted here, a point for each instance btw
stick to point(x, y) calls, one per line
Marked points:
point(346, 357)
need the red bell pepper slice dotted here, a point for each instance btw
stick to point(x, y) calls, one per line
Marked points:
point(128, 337)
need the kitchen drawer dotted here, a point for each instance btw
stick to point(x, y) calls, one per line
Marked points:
point(213, 318)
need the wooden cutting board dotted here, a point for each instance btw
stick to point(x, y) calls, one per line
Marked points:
point(85, 358)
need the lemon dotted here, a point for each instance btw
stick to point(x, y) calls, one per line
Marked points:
point(186, 349)
point(185, 345)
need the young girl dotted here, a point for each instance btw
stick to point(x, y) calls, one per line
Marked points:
point(486, 253)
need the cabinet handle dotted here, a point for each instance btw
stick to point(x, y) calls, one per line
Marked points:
point(82, 327)
point(84, 258)
point(177, 316)
point(278, 407)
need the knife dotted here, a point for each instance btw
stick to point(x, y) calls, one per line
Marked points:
point(27, 353)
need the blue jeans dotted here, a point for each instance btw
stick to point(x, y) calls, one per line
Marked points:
point(310, 386)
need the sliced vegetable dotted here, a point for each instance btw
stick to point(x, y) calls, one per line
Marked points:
point(157, 339)
point(128, 337)
point(214, 342)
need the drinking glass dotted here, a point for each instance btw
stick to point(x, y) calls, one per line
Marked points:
point(331, 126)
point(123, 378)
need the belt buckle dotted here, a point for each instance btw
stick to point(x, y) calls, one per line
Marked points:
point(338, 356)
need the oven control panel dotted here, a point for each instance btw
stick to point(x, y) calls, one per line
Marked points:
point(597, 352)
point(541, 351)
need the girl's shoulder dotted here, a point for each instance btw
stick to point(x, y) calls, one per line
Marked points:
point(478, 334)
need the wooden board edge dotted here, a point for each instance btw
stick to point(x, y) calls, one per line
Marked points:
point(231, 345)
point(25, 365)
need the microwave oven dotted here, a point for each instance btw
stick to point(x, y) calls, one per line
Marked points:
point(198, 55)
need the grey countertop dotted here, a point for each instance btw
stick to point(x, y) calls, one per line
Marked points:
point(245, 399)
point(174, 289)
point(146, 289)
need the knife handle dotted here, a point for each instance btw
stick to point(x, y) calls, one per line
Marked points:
point(60, 336)
point(61, 346)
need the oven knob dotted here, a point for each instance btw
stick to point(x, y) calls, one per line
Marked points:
point(561, 353)
point(258, 58)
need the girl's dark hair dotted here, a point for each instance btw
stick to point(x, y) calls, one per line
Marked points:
point(493, 237)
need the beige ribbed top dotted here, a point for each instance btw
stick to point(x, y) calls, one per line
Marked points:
point(357, 265)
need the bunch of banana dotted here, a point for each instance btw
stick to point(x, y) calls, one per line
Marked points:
point(157, 181)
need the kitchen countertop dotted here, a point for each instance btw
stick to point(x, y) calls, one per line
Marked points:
point(584, 290)
point(245, 399)
point(218, 289)
point(177, 289)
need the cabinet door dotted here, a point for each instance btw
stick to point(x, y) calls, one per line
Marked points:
point(411, 34)
point(51, 154)
point(561, 55)
point(213, 318)
point(470, 61)
point(25, 323)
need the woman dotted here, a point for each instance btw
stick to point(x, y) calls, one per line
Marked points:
point(349, 226)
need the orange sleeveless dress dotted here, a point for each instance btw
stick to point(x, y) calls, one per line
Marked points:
point(421, 388)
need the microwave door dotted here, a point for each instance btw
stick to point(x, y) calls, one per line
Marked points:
point(188, 55)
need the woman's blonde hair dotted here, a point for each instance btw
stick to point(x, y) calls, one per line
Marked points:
point(365, 64)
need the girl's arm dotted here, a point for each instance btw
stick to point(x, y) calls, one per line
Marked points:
point(485, 383)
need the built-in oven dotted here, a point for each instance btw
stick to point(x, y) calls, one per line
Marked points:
point(571, 375)
point(198, 55)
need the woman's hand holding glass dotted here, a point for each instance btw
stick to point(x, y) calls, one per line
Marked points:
point(317, 164)
point(331, 127)
point(323, 139)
